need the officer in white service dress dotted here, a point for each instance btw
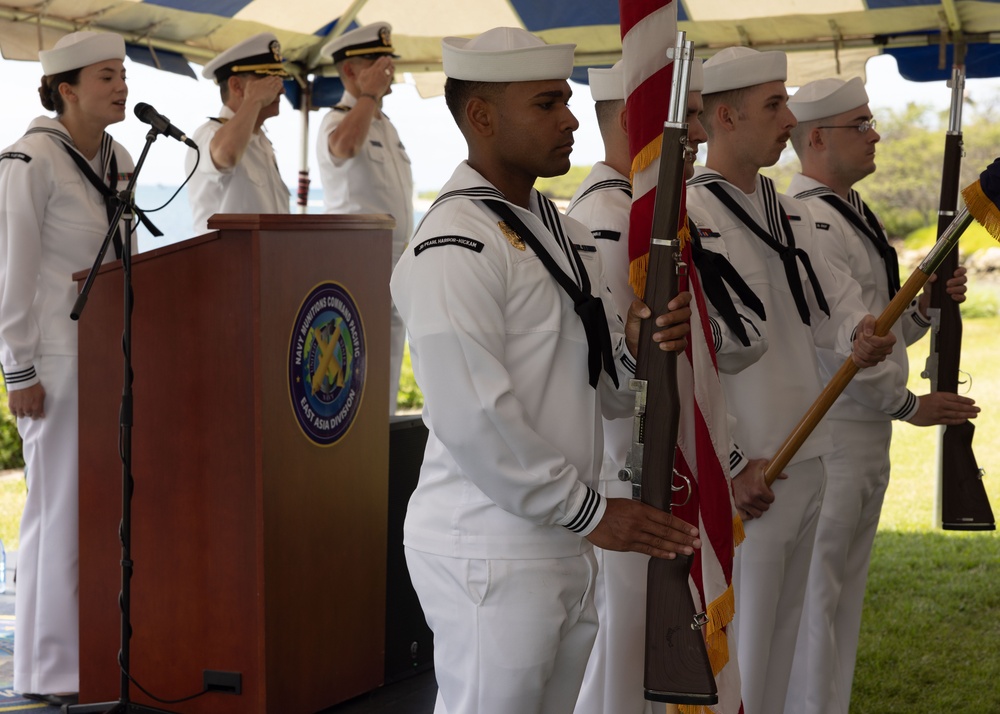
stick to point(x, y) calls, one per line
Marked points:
point(362, 163)
point(835, 140)
point(53, 220)
point(769, 238)
point(515, 378)
point(237, 171)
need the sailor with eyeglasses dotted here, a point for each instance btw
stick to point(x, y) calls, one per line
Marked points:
point(836, 140)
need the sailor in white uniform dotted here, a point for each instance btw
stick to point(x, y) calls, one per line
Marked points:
point(363, 165)
point(501, 296)
point(614, 677)
point(237, 171)
point(53, 220)
point(835, 140)
point(769, 238)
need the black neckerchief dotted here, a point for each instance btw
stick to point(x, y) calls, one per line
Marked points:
point(109, 162)
point(868, 226)
point(716, 270)
point(789, 254)
point(589, 308)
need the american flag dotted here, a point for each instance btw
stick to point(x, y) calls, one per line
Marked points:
point(649, 28)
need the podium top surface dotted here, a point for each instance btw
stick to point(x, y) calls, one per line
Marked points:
point(299, 222)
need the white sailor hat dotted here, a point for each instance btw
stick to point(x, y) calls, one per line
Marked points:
point(372, 40)
point(827, 97)
point(79, 49)
point(505, 54)
point(739, 67)
point(260, 54)
point(607, 83)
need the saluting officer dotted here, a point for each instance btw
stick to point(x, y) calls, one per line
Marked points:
point(238, 172)
point(362, 163)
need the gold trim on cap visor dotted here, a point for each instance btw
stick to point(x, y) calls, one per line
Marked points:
point(268, 68)
point(368, 51)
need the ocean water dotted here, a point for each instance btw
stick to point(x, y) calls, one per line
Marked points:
point(174, 219)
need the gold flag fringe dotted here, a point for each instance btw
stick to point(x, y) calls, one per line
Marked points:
point(982, 208)
point(639, 268)
point(637, 271)
point(739, 535)
point(646, 156)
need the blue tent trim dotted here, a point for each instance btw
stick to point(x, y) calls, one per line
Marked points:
point(538, 16)
point(326, 92)
point(920, 64)
point(167, 61)
point(223, 8)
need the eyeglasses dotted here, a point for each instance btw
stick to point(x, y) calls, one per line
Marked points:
point(863, 127)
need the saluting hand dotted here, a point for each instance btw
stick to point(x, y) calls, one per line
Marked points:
point(376, 78)
point(264, 90)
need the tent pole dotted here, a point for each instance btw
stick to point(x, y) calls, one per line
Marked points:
point(305, 105)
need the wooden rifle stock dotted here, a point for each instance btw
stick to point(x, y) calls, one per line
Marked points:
point(677, 668)
point(964, 502)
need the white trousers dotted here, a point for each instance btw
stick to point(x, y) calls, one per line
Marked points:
point(510, 636)
point(857, 475)
point(46, 634)
point(769, 577)
point(613, 681)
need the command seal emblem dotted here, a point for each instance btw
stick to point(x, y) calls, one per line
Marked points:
point(326, 363)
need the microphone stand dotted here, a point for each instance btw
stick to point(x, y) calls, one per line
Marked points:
point(125, 210)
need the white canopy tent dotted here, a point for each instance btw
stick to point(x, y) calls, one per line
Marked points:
point(825, 36)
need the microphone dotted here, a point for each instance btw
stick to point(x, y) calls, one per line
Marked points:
point(148, 115)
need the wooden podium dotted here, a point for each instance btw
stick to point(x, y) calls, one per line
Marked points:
point(258, 524)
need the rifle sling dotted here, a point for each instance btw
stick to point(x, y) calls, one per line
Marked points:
point(589, 307)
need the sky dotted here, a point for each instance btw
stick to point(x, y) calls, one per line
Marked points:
point(425, 126)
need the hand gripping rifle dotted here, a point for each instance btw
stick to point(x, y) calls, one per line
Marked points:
point(677, 668)
point(964, 504)
point(982, 197)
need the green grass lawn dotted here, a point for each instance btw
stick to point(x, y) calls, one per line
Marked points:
point(930, 635)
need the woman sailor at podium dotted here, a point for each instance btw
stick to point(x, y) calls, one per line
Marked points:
point(53, 219)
